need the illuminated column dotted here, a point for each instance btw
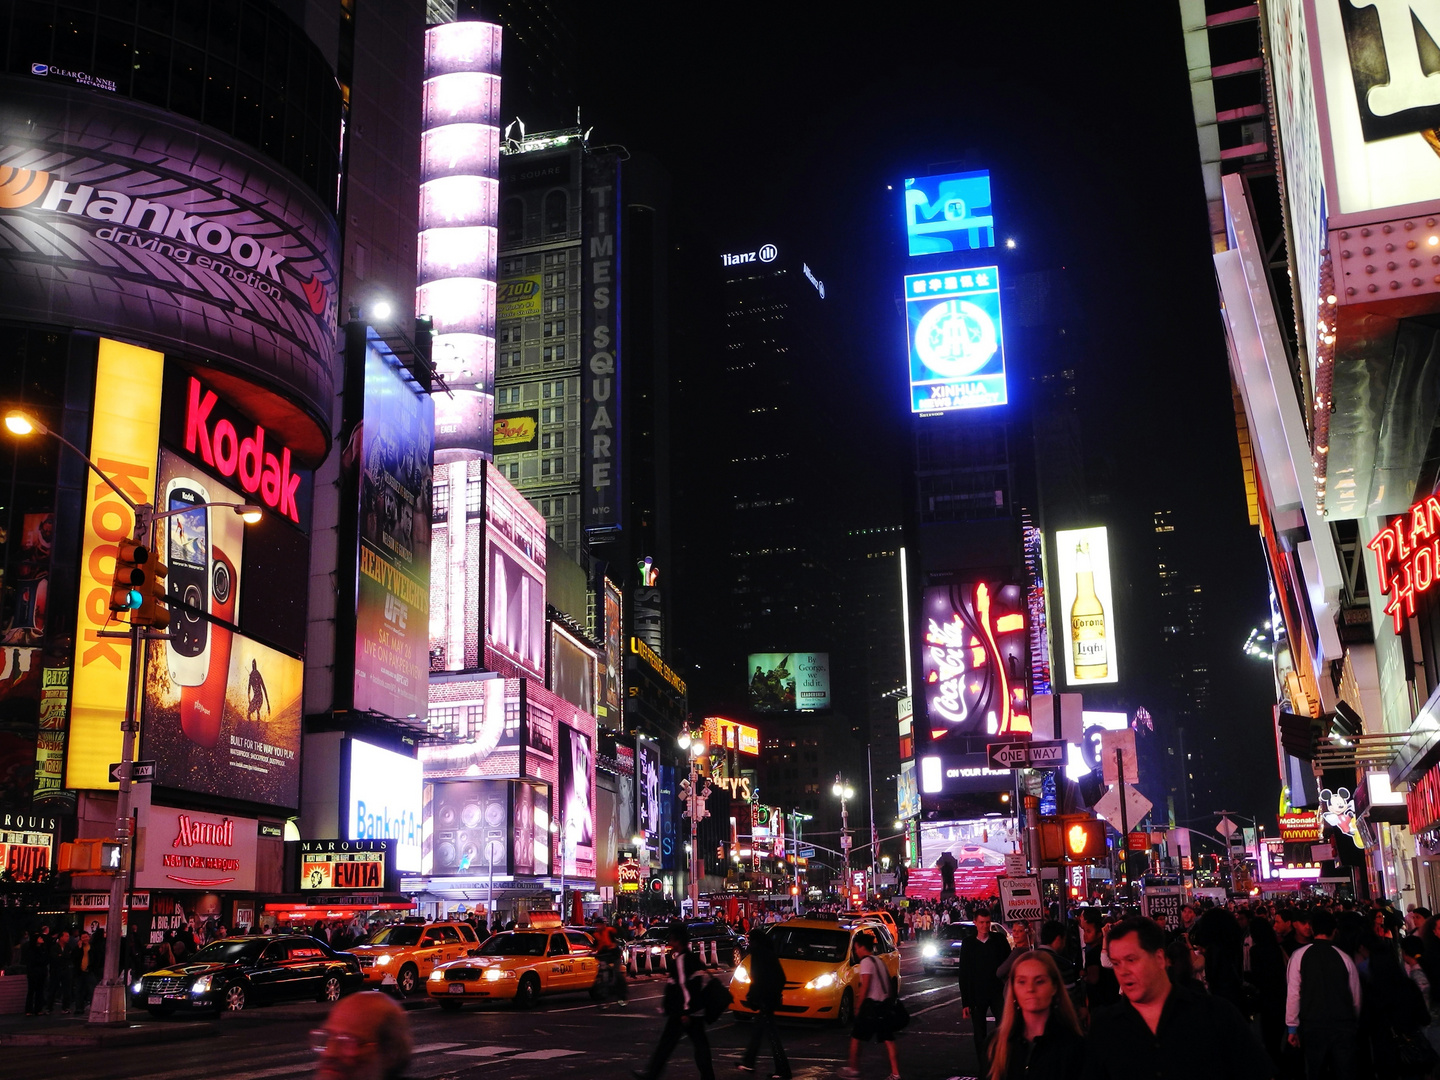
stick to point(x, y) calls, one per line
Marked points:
point(459, 201)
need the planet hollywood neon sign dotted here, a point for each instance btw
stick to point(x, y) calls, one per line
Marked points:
point(1407, 558)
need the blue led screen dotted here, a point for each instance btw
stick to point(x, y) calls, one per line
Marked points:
point(949, 213)
point(956, 344)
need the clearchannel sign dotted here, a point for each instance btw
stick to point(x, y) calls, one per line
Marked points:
point(957, 349)
point(949, 213)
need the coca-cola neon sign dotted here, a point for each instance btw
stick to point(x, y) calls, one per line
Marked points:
point(221, 447)
point(1407, 558)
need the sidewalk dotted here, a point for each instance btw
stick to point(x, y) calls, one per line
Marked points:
point(141, 1029)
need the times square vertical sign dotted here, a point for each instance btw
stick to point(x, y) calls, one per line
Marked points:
point(600, 346)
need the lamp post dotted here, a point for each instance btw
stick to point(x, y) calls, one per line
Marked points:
point(844, 791)
point(693, 743)
point(108, 1004)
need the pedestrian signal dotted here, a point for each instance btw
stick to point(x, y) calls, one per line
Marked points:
point(1084, 837)
point(127, 590)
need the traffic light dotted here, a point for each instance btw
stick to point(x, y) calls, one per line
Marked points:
point(154, 608)
point(127, 591)
point(90, 857)
point(1084, 837)
point(794, 890)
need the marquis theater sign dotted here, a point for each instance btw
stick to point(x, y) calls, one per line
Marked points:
point(345, 864)
point(27, 843)
point(1407, 558)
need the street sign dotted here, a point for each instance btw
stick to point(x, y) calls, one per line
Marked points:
point(1027, 755)
point(1162, 903)
point(1137, 841)
point(1226, 828)
point(1014, 864)
point(141, 772)
point(1136, 806)
point(1124, 741)
point(806, 853)
point(1020, 899)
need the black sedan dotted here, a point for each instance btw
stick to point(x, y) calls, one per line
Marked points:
point(237, 972)
point(941, 949)
point(729, 946)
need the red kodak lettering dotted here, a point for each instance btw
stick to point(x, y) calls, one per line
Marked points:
point(197, 415)
point(254, 451)
point(289, 485)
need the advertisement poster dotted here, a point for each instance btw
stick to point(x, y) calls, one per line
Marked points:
point(975, 659)
point(956, 341)
point(787, 682)
point(516, 432)
point(669, 808)
point(517, 298)
point(907, 791)
point(383, 801)
point(647, 793)
point(530, 826)
point(479, 720)
point(51, 737)
point(607, 842)
point(221, 711)
point(950, 212)
point(1086, 615)
point(969, 854)
point(515, 576)
point(611, 688)
point(195, 849)
point(572, 669)
point(574, 767)
point(471, 828)
point(1084, 759)
point(392, 611)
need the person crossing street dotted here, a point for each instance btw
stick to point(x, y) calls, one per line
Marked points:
point(684, 1010)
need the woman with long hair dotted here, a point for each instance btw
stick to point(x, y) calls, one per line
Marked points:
point(1039, 1034)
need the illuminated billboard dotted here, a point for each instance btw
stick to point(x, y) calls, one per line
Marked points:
point(723, 734)
point(1087, 609)
point(575, 810)
point(784, 682)
point(955, 340)
point(950, 212)
point(970, 855)
point(975, 659)
point(390, 451)
point(611, 673)
point(514, 576)
point(573, 669)
point(647, 792)
point(1085, 758)
point(477, 724)
point(383, 801)
point(459, 204)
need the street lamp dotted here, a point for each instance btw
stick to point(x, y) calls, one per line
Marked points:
point(108, 1006)
point(844, 791)
point(693, 743)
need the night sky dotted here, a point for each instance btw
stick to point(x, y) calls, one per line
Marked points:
point(794, 118)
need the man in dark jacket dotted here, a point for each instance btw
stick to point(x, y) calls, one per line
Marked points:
point(767, 983)
point(980, 986)
point(1163, 1031)
point(62, 972)
point(684, 1009)
point(36, 958)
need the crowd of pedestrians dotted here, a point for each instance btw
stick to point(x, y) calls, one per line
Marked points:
point(62, 969)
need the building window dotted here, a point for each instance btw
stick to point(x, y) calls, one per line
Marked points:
point(552, 466)
point(557, 214)
point(512, 266)
point(509, 334)
point(554, 441)
point(515, 471)
point(554, 352)
point(555, 281)
point(554, 303)
point(474, 496)
point(553, 328)
point(440, 501)
point(512, 220)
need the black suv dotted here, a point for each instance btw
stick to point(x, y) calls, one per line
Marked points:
point(729, 945)
point(236, 972)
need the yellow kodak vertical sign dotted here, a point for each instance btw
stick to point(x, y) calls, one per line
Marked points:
point(125, 444)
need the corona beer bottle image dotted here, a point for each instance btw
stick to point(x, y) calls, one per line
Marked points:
point(1091, 656)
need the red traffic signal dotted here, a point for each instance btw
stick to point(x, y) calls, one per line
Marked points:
point(657, 885)
point(1084, 837)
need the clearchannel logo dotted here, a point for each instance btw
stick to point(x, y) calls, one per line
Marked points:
point(766, 253)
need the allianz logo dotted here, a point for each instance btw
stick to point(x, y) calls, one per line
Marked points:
point(765, 254)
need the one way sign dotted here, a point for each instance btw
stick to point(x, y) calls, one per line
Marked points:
point(140, 771)
point(1027, 755)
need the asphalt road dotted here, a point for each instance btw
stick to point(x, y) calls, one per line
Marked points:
point(565, 1036)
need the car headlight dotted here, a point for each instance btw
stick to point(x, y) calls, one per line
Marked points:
point(383, 960)
point(656, 950)
point(496, 974)
point(437, 975)
point(138, 988)
point(822, 982)
point(202, 984)
point(929, 952)
point(741, 975)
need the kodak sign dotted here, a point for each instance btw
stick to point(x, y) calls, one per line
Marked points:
point(124, 443)
point(260, 470)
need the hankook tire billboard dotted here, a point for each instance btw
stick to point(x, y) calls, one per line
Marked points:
point(132, 221)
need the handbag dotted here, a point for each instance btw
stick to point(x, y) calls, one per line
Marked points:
point(1411, 1054)
point(897, 1015)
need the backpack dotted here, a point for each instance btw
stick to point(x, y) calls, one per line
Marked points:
point(715, 997)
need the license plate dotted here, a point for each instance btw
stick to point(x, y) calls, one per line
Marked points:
point(155, 999)
point(457, 988)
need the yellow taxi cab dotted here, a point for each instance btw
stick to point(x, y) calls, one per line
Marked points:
point(822, 970)
point(517, 965)
point(404, 954)
point(883, 917)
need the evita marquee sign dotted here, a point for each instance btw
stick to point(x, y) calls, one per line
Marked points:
point(328, 866)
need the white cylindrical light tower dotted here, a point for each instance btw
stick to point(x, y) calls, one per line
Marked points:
point(459, 204)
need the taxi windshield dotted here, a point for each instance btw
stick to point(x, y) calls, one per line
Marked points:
point(515, 945)
point(227, 952)
point(810, 943)
point(394, 936)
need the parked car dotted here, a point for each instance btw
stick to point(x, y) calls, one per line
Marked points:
point(729, 945)
point(941, 949)
point(234, 973)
